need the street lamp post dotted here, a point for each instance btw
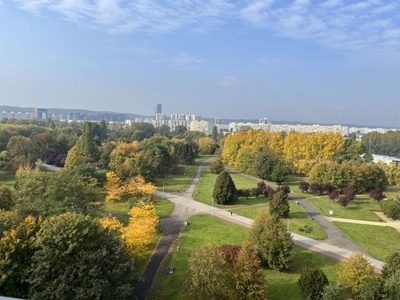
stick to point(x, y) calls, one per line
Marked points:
point(163, 194)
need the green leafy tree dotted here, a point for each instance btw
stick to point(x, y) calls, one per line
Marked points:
point(86, 143)
point(8, 219)
point(332, 292)
point(209, 273)
point(392, 287)
point(4, 138)
point(279, 205)
point(78, 259)
point(17, 247)
point(392, 265)
point(264, 164)
point(74, 158)
point(279, 173)
point(312, 283)
point(214, 134)
point(103, 130)
point(371, 289)
point(179, 131)
point(272, 240)
point(225, 191)
point(217, 166)
point(164, 130)
point(6, 198)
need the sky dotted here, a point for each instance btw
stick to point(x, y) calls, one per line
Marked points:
point(321, 61)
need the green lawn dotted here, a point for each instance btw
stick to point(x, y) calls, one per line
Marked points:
point(205, 228)
point(7, 180)
point(360, 209)
point(298, 218)
point(378, 241)
point(164, 207)
point(293, 182)
point(392, 191)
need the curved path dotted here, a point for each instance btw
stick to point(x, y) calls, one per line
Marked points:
point(171, 228)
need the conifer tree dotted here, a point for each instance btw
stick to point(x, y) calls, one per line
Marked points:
point(225, 191)
point(279, 205)
point(74, 158)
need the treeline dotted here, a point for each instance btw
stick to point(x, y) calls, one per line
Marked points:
point(383, 143)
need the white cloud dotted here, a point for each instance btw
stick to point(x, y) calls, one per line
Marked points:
point(183, 61)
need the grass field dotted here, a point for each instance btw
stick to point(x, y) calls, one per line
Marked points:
point(392, 192)
point(7, 180)
point(204, 228)
point(360, 208)
point(378, 241)
point(298, 218)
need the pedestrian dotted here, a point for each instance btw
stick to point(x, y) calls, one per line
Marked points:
point(231, 213)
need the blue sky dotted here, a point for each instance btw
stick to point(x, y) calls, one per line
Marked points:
point(327, 61)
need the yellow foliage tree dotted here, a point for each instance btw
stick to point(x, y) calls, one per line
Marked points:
point(355, 271)
point(141, 228)
point(111, 224)
point(134, 187)
point(74, 158)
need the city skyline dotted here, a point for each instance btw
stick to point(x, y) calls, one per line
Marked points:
point(322, 62)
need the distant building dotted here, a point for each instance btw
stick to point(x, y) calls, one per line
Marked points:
point(385, 159)
point(218, 121)
point(40, 113)
point(202, 126)
point(158, 109)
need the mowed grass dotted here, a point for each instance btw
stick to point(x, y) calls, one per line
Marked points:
point(293, 182)
point(163, 207)
point(360, 208)
point(204, 229)
point(178, 182)
point(298, 218)
point(378, 241)
point(392, 191)
point(7, 179)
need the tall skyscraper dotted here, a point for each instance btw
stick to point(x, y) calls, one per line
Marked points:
point(158, 109)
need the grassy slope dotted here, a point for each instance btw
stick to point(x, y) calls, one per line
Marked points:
point(7, 180)
point(378, 241)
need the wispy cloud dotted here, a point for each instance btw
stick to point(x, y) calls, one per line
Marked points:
point(365, 24)
point(184, 61)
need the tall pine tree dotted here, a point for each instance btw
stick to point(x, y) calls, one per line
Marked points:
point(225, 191)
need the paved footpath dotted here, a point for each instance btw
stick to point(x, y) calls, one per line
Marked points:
point(314, 245)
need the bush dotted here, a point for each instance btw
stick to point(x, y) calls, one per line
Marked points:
point(391, 208)
point(217, 166)
point(377, 194)
point(312, 283)
point(304, 186)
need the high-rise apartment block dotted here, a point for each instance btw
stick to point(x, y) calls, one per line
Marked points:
point(158, 109)
point(40, 113)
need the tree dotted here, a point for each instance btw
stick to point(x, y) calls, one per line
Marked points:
point(343, 200)
point(272, 240)
point(377, 194)
point(217, 166)
point(141, 228)
point(334, 195)
point(312, 283)
point(6, 198)
point(304, 186)
point(207, 145)
point(249, 277)
point(355, 271)
point(214, 134)
point(279, 205)
point(103, 130)
point(371, 289)
point(279, 173)
point(78, 259)
point(392, 264)
point(332, 292)
point(86, 143)
point(264, 163)
point(74, 158)
point(391, 208)
point(164, 130)
point(225, 191)
point(208, 273)
point(392, 287)
point(350, 193)
point(42, 141)
point(17, 247)
point(179, 131)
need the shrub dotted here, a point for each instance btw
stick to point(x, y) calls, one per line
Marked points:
point(304, 186)
point(216, 166)
point(312, 283)
point(377, 194)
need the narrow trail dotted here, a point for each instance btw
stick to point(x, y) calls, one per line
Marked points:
point(171, 228)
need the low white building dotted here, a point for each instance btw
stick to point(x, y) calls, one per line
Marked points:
point(385, 159)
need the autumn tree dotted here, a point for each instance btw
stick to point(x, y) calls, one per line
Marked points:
point(392, 264)
point(225, 191)
point(264, 163)
point(17, 247)
point(209, 273)
point(141, 228)
point(74, 158)
point(78, 259)
point(377, 194)
point(272, 240)
point(279, 205)
point(279, 173)
point(370, 289)
point(216, 166)
point(207, 145)
point(391, 286)
point(304, 186)
point(332, 292)
point(42, 141)
point(312, 283)
point(355, 271)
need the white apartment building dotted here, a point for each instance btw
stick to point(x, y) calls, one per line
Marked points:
point(202, 126)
